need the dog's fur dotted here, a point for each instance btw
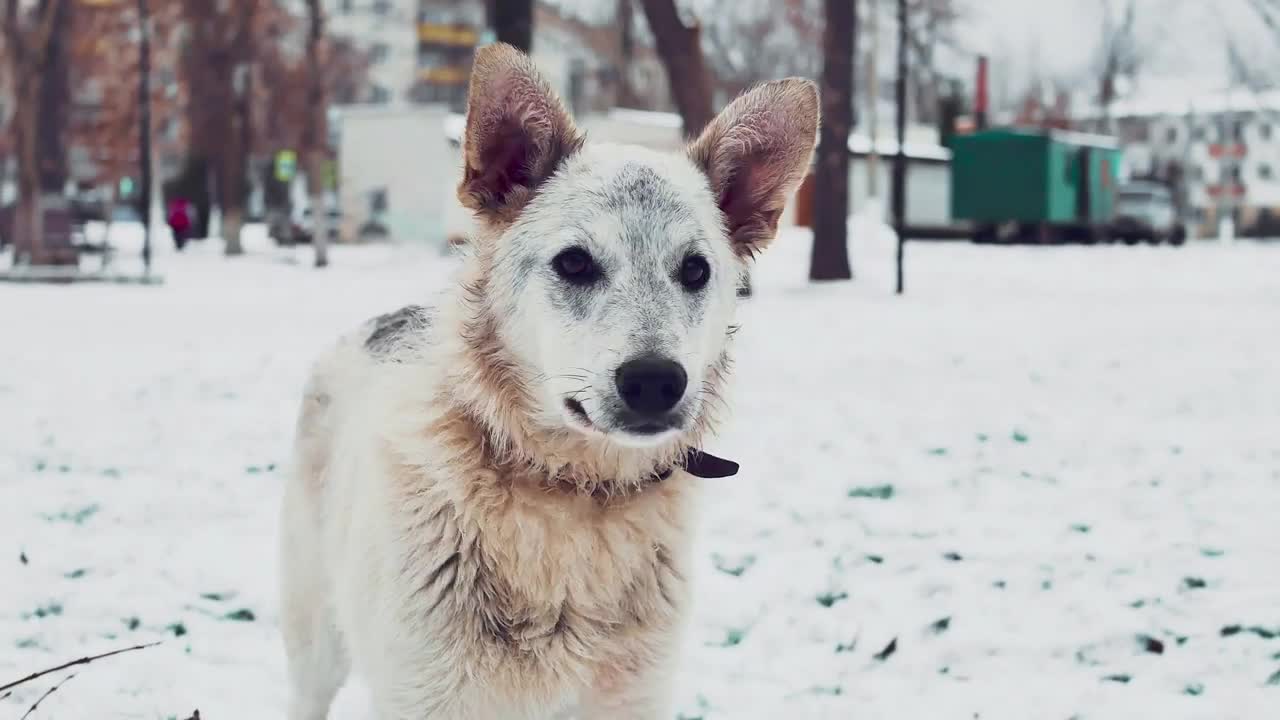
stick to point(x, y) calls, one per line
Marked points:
point(452, 526)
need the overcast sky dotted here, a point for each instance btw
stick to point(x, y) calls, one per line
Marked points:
point(1186, 39)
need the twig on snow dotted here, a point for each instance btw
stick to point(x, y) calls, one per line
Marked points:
point(73, 663)
point(46, 694)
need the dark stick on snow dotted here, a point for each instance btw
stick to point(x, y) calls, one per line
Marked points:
point(46, 694)
point(73, 663)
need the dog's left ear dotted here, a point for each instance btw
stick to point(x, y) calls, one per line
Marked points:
point(755, 153)
point(517, 133)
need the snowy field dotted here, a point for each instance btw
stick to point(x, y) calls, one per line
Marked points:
point(1044, 484)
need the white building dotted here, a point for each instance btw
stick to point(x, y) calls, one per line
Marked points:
point(1221, 152)
point(387, 31)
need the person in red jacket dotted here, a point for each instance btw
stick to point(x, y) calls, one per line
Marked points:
point(179, 220)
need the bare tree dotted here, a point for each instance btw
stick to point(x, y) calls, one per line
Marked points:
point(753, 41)
point(219, 69)
point(830, 259)
point(681, 54)
point(1120, 56)
point(315, 137)
point(27, 42)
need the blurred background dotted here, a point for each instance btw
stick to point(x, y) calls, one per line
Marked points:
point(1005, 394)
point(341, 120)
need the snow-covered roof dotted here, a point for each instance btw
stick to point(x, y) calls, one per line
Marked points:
point(860, 144)
point(1238, 100)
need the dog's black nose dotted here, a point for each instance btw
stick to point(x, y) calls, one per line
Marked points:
point(651, 385)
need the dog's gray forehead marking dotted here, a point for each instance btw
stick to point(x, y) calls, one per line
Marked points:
point(394, 330)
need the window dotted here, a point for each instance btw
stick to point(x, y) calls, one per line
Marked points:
point(1197, 173)
point(1198, 134)
point(1171, 135)
point(1264, 131)
point(1237, 132)
point(1264, 171)
point(378, 52)
point(379, 95)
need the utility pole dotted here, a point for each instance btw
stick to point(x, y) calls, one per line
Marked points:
point(873, 100)
point(900, 160)
point(144, 127)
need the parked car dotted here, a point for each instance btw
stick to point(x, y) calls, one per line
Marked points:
point(1145, 211)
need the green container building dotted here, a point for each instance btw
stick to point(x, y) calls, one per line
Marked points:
point(1034, 176)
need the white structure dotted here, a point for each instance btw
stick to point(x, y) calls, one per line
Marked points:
point(1224, 146)
point(398, 174)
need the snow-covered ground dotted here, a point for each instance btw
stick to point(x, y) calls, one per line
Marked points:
point(1043, 484)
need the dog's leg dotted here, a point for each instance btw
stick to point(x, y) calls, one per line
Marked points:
point(318, 660)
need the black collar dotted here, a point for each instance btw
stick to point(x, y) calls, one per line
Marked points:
point(699, 463)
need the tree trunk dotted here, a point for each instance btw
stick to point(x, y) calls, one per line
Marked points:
point(55, 99)
point(315, 136)
point(144, 130)
point(830, 260)
point(240, 149)
point(626, 54)
point(319, 208)
point(512, 22)
point(29, 215)
point(681, 55)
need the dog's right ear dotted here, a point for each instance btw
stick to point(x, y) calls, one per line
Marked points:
point(517, 134)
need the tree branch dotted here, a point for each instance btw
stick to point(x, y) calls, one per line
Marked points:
point(46, 694)
point(82, 661)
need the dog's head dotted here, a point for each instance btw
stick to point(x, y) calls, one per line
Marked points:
point(610, 272)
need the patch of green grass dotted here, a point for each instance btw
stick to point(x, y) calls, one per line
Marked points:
point(877, 559)
point(178, 629)
point(1194, 583)
point(733, 567)
point(847, 647)
point(828, 599)
point(1212, 552)
point(218, 596)
point(1081, 528)
point(983, 437)
point(76, 574)
point(941, 625)
point(1019, 436)
point(732, 637)
point(77, 517)
point(874, 492)
point(28, 643)
point(53, 609)
point(1193, 689)
point(938, 451)
point(133, 623)
point(1122, 678)
point(241, 615)
point(22, 558)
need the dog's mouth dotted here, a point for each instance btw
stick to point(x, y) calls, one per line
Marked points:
point(643, 429)
point(578, 412)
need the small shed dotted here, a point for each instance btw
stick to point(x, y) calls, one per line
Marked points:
point(1034, 176)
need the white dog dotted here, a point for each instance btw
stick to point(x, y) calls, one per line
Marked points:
point(490, 510)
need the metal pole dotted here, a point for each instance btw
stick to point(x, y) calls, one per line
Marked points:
point(873, 100)
point(900, 160)
point(144, 126)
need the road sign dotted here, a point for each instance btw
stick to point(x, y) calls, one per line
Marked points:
point(286, 165)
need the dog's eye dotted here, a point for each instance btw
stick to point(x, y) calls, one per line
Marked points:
point(576, 266)
point(694, 272)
